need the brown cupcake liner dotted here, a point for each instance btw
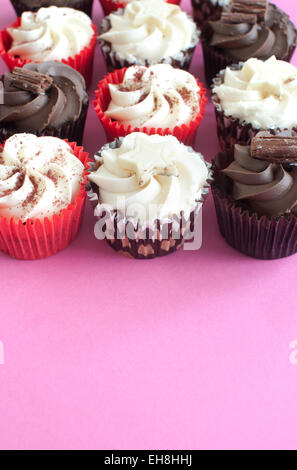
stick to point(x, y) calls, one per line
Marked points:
point(254, 235)
point(204, 10)
point(83, 5)
point(230, 130)
point(215, 61)
point(159, 238)
point(72, 131)
point(114, 61)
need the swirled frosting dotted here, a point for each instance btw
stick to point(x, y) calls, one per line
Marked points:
point(25, 111)
point(39, 176)
point(154, 176)
point(150, 30)
point(262, 93)
point(241, 41)
point(267, 188)
point(51, 34)
point(156, 96)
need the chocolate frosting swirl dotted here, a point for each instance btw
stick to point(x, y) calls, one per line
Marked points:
point(26, 111)
point(269, 189)
point(274, 36)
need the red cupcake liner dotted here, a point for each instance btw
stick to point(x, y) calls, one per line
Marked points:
point(185, 133)
point(112, 5)
point(36, 239)
point(204, 10)
point(82, 62)
point(247, 232)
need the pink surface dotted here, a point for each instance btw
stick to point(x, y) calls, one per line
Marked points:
point(190, 351)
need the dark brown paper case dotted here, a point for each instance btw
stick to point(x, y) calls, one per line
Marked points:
point(36, 239)
point(72, 131)
point(112, 5)
point(230, 130)
point(147, 243)
point(204, 10)
point(114, 62)
point(185, 133)
point(82, 5)
point(214, 61)
point(82, 62)
point(254, 235)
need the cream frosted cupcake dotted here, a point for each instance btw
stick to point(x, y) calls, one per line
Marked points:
point(42, 195)
point(147, 192)
point(155, 100)
point(253, 96)
point(146, 33)
point(59, 34)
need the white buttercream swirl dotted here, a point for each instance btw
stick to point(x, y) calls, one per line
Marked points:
point(150, 30)
point(51, 33)
point(156, 96)
point(39, 176)
point(152, 176)
point(262, 93)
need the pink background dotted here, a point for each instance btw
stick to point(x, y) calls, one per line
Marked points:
point(186, 352)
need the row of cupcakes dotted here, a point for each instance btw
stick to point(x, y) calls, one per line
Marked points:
point(148, 32)
point(285, 80)
point(147, 189)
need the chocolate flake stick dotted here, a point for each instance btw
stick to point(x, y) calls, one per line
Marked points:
point(237, 18)
point(274, 148)
point(29, 80)
point(257, 7)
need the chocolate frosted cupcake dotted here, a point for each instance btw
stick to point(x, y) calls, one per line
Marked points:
point(256, 196)
point(33, 5)
point(60, 34)
point(147, 192)
point(44, 99)
point(146, 33)
point(250, 29)
point(257, 95)
point(205, 10)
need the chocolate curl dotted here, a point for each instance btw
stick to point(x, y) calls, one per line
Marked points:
point(257, 7)
point(274, 148)
point(238, 18)
point(28, 80)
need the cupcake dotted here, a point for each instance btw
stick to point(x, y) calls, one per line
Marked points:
point(33, 5)
point(60, 34)
point(205, 10)
point(260, 30)
point(256, 196)
point(257, 95)
point(113, 5)
point(42, 195)
point(148, 32)
point(147, 192)
point(155, 100)
point(49, 98)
